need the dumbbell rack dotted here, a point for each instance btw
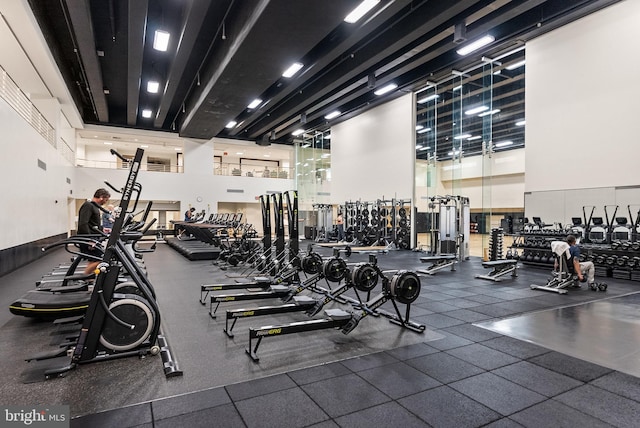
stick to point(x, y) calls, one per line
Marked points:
point(495, 244)
point(536, 246)
point(614, 260)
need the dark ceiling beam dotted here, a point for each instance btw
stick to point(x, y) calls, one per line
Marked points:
point(195, 15)
point(255, 55)
point(222, 58)
point(136, 25)
point(322, 57)
point(80, 16)
point(380, 46)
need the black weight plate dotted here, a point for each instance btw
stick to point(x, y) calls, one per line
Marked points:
point(404, 244)
point(374, 212)
point(312, 263)
point(383, 212)
point(402, 212)
point(365, 212)
point(365, 277)
point(374, 221)
point(405, 287)
point(334, 269)
point(403, 222)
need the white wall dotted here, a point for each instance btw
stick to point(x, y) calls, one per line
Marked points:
point(34, 201)
point(372, 155)
point(581, 102)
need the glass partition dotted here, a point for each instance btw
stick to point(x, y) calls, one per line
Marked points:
point(461, 123)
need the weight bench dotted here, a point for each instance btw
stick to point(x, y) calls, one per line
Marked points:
point(565, 276)
point(500, 268)
point(438, 263)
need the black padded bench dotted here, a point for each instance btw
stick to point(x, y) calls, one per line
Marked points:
point(500, 268)
point(438, 262)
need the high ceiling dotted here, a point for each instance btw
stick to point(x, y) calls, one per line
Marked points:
point(223, 54)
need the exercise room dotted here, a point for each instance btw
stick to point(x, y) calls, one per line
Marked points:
point(348, 212)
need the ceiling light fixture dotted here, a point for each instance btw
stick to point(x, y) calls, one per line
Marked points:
point(293, 69)
point(360, 11)
point(231, 124)
point(144, 146)
point(516, 65)
point(477, 137)
point(428, 98)
point(297, 132)
point(462, 137)
point(161, 40)
point(504, 143)
point(385, 89)
point(422, 131)
point(487, 113)
point(474, 46)
point(333, 115)
point(178, 149)
point(457, 88)
point(419, 127)
point(146, 113)
point(108, 143)
point(521, 123)
point(153, 86)
point(476, 110)
point(255, 103)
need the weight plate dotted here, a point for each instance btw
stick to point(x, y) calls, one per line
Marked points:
point(374, 221)
point(365, 212)
point(365, 277)
point(374, 212)
point(403, 222)
point(405, 287)
point(334, 269)
point(404, 244)
point(312, 263)
point(402, 212)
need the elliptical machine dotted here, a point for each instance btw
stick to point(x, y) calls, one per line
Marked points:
point(117, 324)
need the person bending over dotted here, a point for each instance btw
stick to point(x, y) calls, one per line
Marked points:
point(581, 268)
point(89, 218)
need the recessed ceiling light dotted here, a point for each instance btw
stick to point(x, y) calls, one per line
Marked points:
point(333, 115)
point(153, 86)
point(423, 130)
point(487, 113)
point(144, 146)
point(178, 149)
point(390, 87)
point(108, 143)
point(457, 88)
point(267, 155)
point(504, 143)
point(239, 153)
point(478, 44)
point(521, 123)
point(462, 137)
point(292, 70)
point(231, 124)
point(146, 113)
point(476, 110)
point(255, 103)
point(516, 65)
point(477, 137)
point(428, 98)
point(419, 127)
point(161, 40)
point(297, 132)
point(360, 11)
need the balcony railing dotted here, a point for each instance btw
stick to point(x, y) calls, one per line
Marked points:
point(247, 170)
point(90, 163)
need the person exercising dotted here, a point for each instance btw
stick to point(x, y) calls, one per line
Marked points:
point(580, 268)
point(340, 224)
point(89, 223)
